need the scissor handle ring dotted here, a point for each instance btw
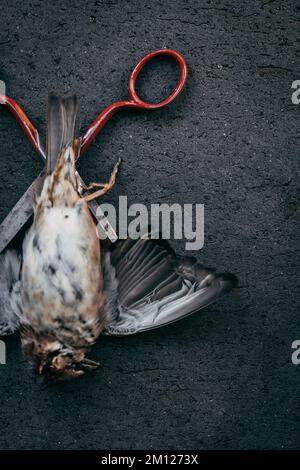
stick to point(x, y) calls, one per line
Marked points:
point(180, 85)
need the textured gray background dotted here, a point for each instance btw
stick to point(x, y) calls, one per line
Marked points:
point(222, 378)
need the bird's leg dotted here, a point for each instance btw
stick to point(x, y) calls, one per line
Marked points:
point(105, 186)
point(111, 181)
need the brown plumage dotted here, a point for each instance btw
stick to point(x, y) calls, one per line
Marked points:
point(61, 281)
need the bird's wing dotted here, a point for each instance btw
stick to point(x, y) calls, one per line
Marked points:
point(10, 295)
point(147, 286)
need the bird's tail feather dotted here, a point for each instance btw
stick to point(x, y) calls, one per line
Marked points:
point(61, 127)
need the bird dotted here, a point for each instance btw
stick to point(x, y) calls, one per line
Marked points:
point(66, 289)
point(61, 282)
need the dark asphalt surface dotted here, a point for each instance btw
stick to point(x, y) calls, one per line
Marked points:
point(223, 378)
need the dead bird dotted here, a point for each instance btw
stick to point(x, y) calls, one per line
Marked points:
point(61, 281)
point(64, 292)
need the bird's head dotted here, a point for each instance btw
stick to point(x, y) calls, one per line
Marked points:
point(54, 361)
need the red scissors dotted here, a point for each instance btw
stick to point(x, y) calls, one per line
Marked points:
point(19, 215)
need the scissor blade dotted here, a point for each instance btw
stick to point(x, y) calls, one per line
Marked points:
point(105, 225)
point(20, 214)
